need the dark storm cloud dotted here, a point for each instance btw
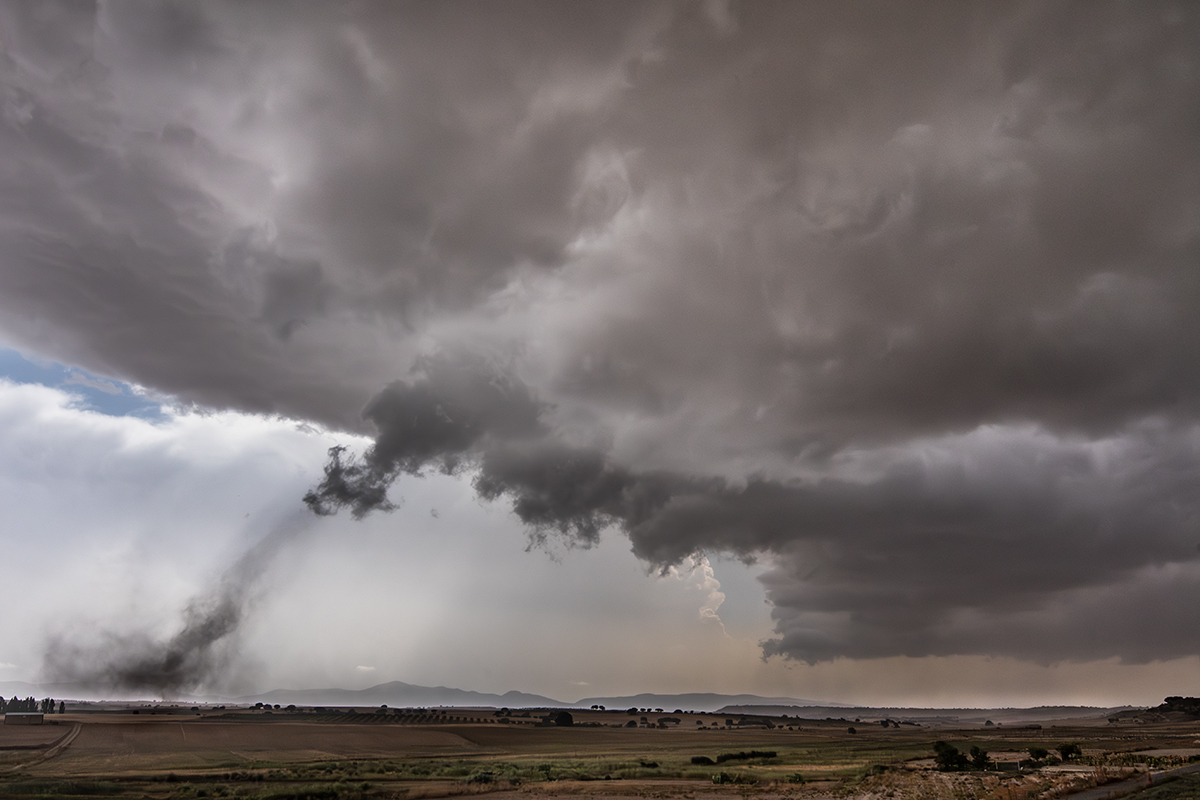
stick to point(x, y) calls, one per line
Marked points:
point(905, 232)
point(435, 421)
point(887, 222)
point(147, 195)
point(902, 296)
point(957, 551)
point(114, 251)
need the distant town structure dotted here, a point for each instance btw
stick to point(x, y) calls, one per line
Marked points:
point(23, 718)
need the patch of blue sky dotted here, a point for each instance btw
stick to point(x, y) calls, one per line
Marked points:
point(103, 395)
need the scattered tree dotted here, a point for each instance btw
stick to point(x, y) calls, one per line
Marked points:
point(948, 758)
point(564, 719)
point(1183, 705)
point(29, 704)
point(745, 756)
point(1069, 750)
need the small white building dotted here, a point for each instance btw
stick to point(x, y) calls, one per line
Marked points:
point(23, 718)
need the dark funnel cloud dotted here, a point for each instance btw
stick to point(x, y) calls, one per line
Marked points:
point(459, 413)
point(439, 420)
point(194, 659)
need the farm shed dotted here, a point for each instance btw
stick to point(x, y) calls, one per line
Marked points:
point(23, 718)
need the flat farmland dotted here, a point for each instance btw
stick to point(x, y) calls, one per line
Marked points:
point(183, 755)
point(821, 749)
point(22, 744)
point(20, 737)
point(132, 745)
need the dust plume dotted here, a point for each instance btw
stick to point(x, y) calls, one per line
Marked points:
point(192, 659)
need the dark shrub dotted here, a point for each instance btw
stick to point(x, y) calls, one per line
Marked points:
point(948, 758)
point(744, 756)
point(1069, 750)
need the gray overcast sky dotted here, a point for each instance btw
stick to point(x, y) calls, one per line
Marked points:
point(899, 302)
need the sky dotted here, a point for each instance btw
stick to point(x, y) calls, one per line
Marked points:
point(837, 350)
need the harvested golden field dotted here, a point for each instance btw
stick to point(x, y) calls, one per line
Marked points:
point(15, 737)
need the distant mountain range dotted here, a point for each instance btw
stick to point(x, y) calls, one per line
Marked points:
point(398, 694)
point(935, 716)
point(698, 701)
